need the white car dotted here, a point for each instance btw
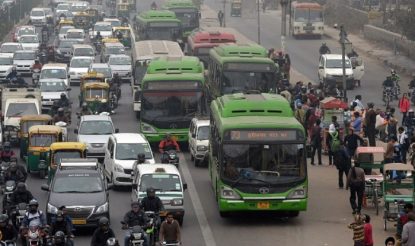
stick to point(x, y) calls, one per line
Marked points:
point(102, 68)
point(23, 60)
point(78, 67)
point(76, 34)
point(199, 130)
point(24, 30)
point(330, 71)
point(9, 48)
point(358, 68)
point(63, 30)
point(121, 153)
point(30, 42)
point(121, 64)
point(51, 90)
point(62, 8)
point(49, 14)
point(38, 17)
point(83, 50)
point(6, 66)
point(114, 21)
point(54, 71)
point(104, 28)
point(79, 6)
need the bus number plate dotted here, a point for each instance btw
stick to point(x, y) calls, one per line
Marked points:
point(262, 205)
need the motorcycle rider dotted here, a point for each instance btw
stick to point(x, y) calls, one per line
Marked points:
point(7, 153)
point(12, 75)
point(135, 217)
point(59, 223)
point(394, 76)
point(388, 82)
point(153, 6)
point(63, 102)
point(116, 80)
point(14, 173)
point(152, 203)
point(8, 232)
point(98, 37)
point(85, 110)
point(60, 116)
point(324, 49)
point(18, 81)
point(170, 230)
point(37, 65)
point(34, 214)
point(20, 195)
point(102, 233)
point(166, 144)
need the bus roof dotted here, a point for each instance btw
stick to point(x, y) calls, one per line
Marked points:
point(175, 65)
point(157, 14)
point(211, 38)
point(306, 5)
point(172, 4)
point(150, 49)
point(240, 50)
point(240, 38)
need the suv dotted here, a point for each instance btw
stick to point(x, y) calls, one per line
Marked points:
point(94, 131)
point(330, 71)
point(166, 180)
point(80, 186)
point(199, 140)
point(6, 66)
point(111, 49)
point(38, 17)
point(23, 60)
point(121, 64)
point(121, 153)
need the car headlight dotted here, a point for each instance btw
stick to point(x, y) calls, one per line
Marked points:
point(228, 193)
point(146, 128)
point(201, 148)
point(298, 193)
point(58, 52)
point(102, 209)
point(51, 209)
point(118, 168)
point(176, 202)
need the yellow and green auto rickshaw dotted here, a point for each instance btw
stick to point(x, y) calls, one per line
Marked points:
point(125, 37)
point(25, 123)
point(123, 10)
point(236, 8)
point(82, 20)
point(59, 150)
point(96, 95)
point(38, 153)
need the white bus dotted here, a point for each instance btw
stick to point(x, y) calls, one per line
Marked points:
point(306, 19)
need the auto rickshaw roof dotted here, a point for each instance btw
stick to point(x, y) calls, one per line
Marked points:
point(44, 129)
point(93, 74)
point(110, 40)
point(36, 117)
point(398, 167)
point(96, 85)
point(68, 146)
point(370, 150)
point(81, 14)
point(65, 21)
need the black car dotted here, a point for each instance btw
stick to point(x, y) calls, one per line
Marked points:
point(63, 50)
point(80, 186)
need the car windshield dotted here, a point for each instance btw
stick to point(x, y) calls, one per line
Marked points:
point(27, 124)
point(42, 140)
point(37, 13)
point(6, 61)
point(114, 23)
point(78, 8)
point(84, 52)
point(103, 28)
point(263, 163)
point(26, 31)
point(78, 183)
point(160, 182)
point(24, 56)
point(337, 63)
point(20, 109)
point(10, 48)
point(124, 60)
point(129, 151)
point(81, 63)
point(105, 71)
point(65, 29)
point(29, 39)
point(67, 43)
point(115, 51)
point(63, 7)
point(78, 35)
point(203, 133)
point(64, 154)
point(52, 86)
point(96, 127)
point(53, 74)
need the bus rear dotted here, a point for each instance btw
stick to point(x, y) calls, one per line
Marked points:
point(258, 161)
point(172, 94)
point(158, 25)
point(186, 12)
point(307, 19)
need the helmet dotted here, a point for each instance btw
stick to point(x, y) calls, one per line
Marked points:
point(33, 202)
point(60, 109)
point(14, 68)
point(135, 203)
point(63, 96)
point(59, 237)
point(98, 33)
point(33, 205)
point(151, 192)
point(103, 221)
point(21, 187)
point(59, 216)
point(4, 218)
point(323, 44)
point(141, 158)
point(36, 60)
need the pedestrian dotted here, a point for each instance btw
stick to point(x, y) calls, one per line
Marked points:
point(220, 17)
point(170, 230)
point(333, 138)
point(403, 219)
point(358, 230)
point(357, 103)
point(316, 141)
point(408, 232)
point(299, 114)
point(351, 141)
point(370, 122)
point(357, 122)
point(368, 231)
point(390, 148)
point(356, 183)
point(343, 163)
point(404, 106)
point(390, 241)
point(403, 141)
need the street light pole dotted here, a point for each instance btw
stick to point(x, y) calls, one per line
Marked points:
point(284, 17)
point(343, 43)
point(259, 23)
point(224, 13)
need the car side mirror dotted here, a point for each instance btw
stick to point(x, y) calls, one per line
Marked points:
point(75, 131)
point(44, 187)
point(134, 186)
point(193, 135)
point(117, 130)
point(184, 186)
point(68, 89)
point(69, 76)
point(110, 186)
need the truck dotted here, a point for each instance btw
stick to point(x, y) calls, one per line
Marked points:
point(16, 102)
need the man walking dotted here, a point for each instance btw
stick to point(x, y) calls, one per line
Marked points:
point(316, 140)
point(408, 233)
point(342, 162)
point(356, 183)
point(370, 123)
point(351, 141)
point(220, 17)
point(404, 106)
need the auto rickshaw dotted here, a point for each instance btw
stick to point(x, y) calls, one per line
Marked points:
point(398, 189)
point(126, 35)
point(62, 23)
point(38, 153)
point(93, 15)
point(123, 10)
point(110, 40)
point(236, 8)
point(96, 95)
point(61, 150)
point(25, 123)
point(92, 77)
point(82, 20)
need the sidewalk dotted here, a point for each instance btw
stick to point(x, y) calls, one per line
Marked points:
point(400, 63)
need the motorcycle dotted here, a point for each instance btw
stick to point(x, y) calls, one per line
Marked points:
point(58, 241)
point(170, 157)
point(387, 95)
point(98, 46)
point(18, 213)
point(112, 242)
point(152, 229)
point(136, 237)
point(34, 235)
point(113, 100)
point(8, 243)
point(35, 76)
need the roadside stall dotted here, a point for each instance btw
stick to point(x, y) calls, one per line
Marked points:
point(330, 107)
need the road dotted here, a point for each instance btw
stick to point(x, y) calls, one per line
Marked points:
point(328, 212)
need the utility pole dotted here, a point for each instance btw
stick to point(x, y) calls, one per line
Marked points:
point(284, 17)
point(224, 13)
point(343, 43)
point(259, 22)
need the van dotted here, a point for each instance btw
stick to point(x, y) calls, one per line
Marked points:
point(199, 140)
point(54, 71)
point(330, 71)
point(82, 50)
point(121, 153)
point(169, 186)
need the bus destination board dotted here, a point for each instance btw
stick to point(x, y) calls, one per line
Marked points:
point(261, 135)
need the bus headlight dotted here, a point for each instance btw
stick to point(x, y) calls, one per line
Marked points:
point(146, 128)
point(298, 193)
point(228, 193)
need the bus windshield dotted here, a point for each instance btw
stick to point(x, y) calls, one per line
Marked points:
point(308, 15)
point(263, 163)
point(239, 81)
point(162, 31)
point(188, 17)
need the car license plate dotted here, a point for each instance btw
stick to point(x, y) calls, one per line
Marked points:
point(79, 221)
point(262, 205)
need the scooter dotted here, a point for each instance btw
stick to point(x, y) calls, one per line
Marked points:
point(170, 157)
point(35, 76)
point(136, 237)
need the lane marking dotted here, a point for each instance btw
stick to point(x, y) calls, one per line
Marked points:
point(197, 205)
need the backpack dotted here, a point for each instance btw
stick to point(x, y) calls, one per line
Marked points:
point(335, 142)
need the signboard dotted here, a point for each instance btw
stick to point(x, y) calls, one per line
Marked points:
point(251, 67)
point(262, 135)
point(171, 85)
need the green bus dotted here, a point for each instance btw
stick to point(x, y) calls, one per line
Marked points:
point(187, 12)
point(240, 67)
point(158, 25)
point(257, 157)
point(172, 94)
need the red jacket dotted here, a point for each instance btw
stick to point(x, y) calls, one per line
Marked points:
point(368, 234)
point(404, 105)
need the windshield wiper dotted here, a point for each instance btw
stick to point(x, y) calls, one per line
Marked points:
point(246, 175)
point(16, 114)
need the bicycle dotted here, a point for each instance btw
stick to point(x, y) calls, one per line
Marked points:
point(373, 192)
